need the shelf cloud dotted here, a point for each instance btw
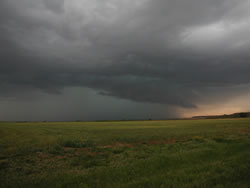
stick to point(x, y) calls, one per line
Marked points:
point(175, 53)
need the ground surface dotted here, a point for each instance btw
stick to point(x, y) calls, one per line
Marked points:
point(176, 153)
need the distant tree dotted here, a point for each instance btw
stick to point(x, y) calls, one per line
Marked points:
point(243, 115)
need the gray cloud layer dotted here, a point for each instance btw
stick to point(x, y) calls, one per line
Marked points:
point(173, 52)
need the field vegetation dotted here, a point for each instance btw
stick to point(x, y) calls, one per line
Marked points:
point(173, 153)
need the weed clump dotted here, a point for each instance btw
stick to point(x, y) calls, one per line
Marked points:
point(78, 144)
point(56, 150)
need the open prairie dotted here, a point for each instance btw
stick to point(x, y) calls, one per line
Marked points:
point(172, 153)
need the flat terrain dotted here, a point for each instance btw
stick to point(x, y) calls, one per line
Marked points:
point(174, 153)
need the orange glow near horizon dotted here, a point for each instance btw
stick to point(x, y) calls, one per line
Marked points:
point(240, 104)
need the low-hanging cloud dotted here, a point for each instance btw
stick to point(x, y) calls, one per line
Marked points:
point(175, 52)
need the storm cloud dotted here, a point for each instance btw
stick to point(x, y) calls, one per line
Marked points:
point(176, 53)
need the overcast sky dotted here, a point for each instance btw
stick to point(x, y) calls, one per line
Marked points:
point(123, 59)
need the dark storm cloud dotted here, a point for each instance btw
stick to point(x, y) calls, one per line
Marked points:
point(175, 52)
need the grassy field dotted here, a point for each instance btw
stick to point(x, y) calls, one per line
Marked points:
point(174, 153)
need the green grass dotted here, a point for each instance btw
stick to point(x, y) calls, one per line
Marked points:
point(174, 153)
